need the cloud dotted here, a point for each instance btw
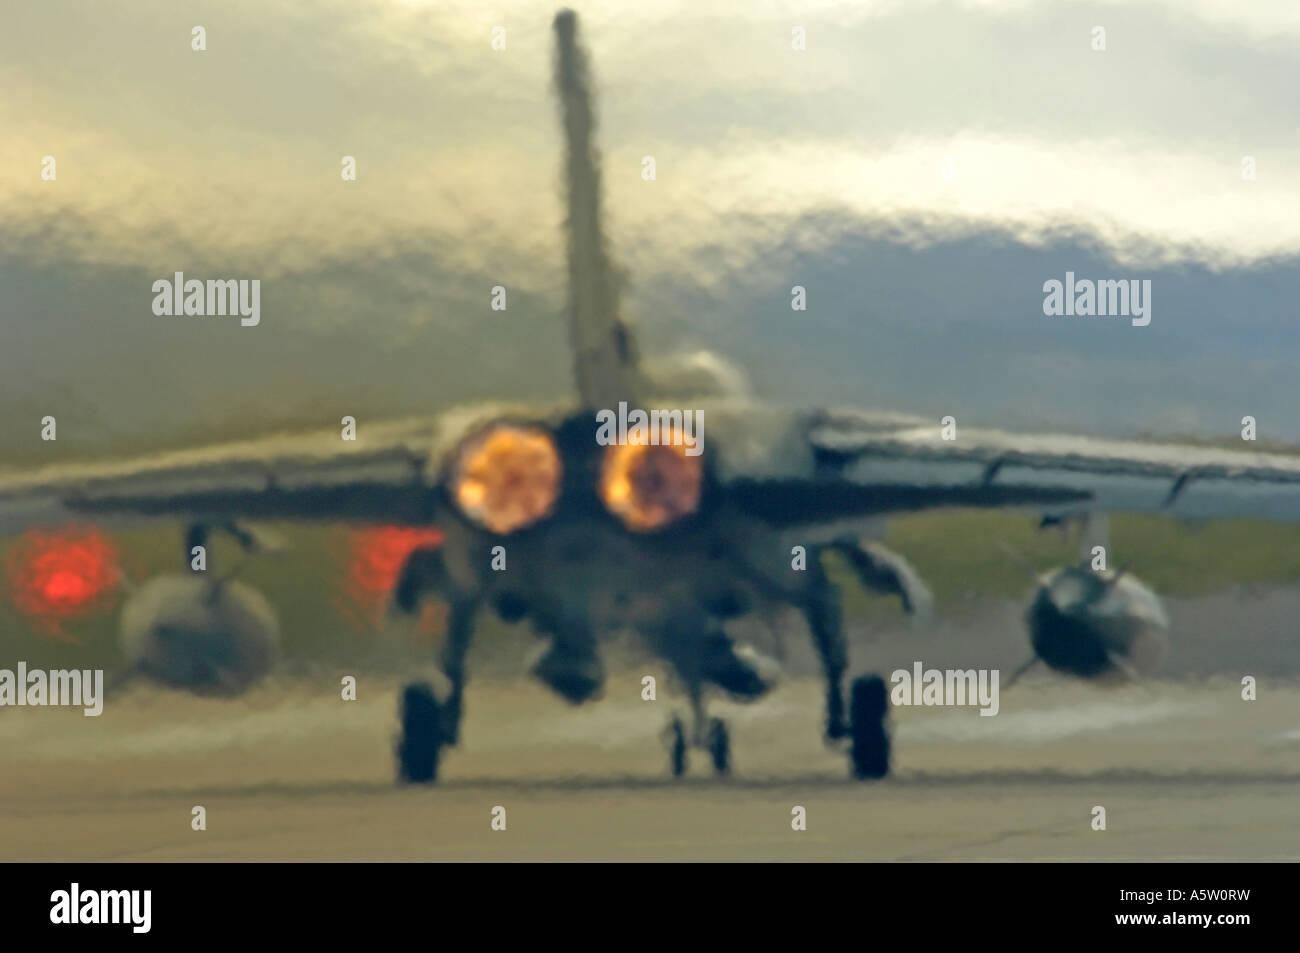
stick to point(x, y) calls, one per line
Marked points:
point(774, 166)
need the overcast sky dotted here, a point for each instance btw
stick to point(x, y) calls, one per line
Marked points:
point(822, 167)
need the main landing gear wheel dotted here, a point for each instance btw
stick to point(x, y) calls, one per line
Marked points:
point(868, 714)
point(422, 735)
point(719, 746)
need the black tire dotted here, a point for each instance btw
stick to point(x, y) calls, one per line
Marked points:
point(422, 735)
point(720, 746)
point(869, 715)
point(677, 747)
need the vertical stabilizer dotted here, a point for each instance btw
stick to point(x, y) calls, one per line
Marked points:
point(605, 356)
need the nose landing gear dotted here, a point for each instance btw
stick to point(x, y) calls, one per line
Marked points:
point(717, 740)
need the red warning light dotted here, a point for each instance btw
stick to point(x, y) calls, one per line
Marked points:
point(375, 561)
point(379, 554)
point(62, 574)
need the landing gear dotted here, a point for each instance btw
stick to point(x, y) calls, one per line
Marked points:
point(717, 740)
point(868, 714)
point(422, 735)
point(429, 725)
point(719, 746)
point(676, 734)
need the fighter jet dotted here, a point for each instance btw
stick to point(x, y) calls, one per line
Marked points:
point(545, 518)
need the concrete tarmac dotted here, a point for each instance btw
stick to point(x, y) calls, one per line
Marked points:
point(1186, 770)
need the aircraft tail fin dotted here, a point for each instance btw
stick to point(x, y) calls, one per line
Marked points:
point(606, 361)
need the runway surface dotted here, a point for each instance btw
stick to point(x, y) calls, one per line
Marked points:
point(1185, 771)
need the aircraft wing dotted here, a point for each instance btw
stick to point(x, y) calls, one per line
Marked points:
point(1111, 475)
point(379, 476)
point(797, 467)
point(792, 467)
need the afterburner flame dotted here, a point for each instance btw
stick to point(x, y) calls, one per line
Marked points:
point(62, 574)
point(650, 486)
point(507, 477)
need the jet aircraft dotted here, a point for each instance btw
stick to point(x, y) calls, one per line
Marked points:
point(641, 535)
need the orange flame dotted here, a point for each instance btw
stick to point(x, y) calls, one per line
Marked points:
point(650, 486)
point(508, 477)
